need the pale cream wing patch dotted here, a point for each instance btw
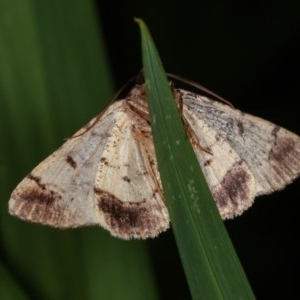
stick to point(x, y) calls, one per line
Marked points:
point(128, 191)
point(247, 156)
point(69, 188)
point(59, 191)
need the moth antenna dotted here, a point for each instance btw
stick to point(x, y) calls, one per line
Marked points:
point(115, 97)
point(134, 79)
point(92, 125)
point(200, 87)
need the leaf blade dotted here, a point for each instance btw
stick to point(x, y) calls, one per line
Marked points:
point(200, 234)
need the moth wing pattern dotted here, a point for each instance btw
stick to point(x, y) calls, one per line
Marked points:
point(107, 173)
point(91, 180)
point(128, 189)
point(247, 156)
point(59, 191)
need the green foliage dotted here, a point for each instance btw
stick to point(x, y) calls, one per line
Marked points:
point(211, 265)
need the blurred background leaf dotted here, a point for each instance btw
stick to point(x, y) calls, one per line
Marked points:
point(54, 77)
point(9, 288)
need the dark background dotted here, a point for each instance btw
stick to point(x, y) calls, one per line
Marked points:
point(248, 52)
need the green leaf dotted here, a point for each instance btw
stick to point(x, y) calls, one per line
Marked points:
point(9, 289)
point(54, 77)
point(211, 266)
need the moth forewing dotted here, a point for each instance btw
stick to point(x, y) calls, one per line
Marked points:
point(132, 203)
point(105, 175)
point(58, 191)
point(249, 156)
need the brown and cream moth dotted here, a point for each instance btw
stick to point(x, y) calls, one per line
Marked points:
point(107, 172)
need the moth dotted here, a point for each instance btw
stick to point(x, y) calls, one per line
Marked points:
point(107, 172)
